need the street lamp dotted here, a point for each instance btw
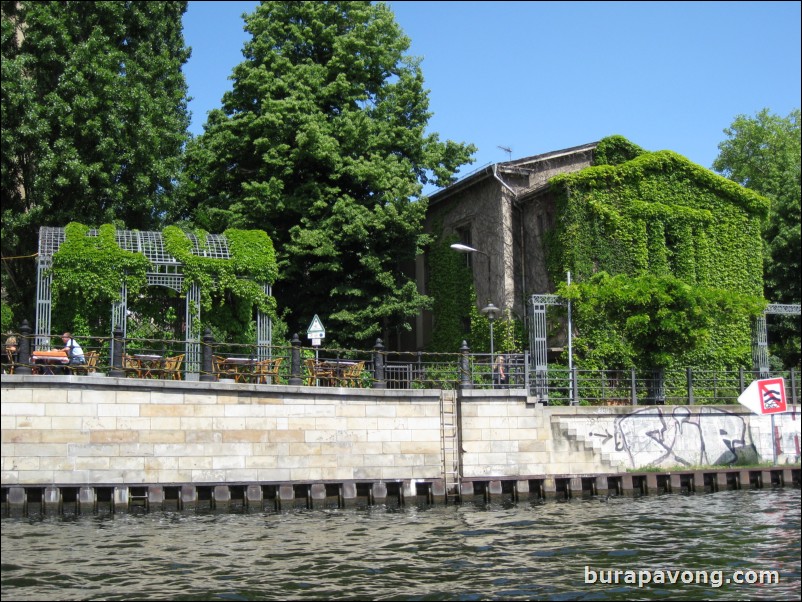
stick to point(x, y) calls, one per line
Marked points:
point(492, 312)
point(459, 247)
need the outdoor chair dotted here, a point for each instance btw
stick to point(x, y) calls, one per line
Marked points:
point(315, 372)
point(172, 367)
point(131, 367)
point(89, 367)
point(268, 369)
point(352, 376)
point(220, 369)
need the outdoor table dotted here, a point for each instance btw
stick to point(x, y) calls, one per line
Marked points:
point(337, 369)
point(241, 367)
point(45, 361)
point(148, 366)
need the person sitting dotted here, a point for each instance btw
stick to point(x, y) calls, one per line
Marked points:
point(73, 349)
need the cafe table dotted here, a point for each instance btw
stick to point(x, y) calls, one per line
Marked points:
point(148, 365)
point(241, 367)
point(46, 362)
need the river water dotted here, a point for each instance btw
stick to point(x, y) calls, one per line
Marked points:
point(554, 550)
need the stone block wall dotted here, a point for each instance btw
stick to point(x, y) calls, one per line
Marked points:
point(86, 430)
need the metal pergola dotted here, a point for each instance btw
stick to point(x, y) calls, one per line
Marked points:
point(537, 337)
point(164, 270)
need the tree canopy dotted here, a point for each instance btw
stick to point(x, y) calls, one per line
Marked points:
point(322, 143)
point(94, 115)
point(764, 153)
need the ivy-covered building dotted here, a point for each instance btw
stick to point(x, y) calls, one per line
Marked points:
point(604, 207)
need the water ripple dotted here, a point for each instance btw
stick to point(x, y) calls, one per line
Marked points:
point(467, 552)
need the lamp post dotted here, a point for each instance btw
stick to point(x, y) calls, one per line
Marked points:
point(492, 312)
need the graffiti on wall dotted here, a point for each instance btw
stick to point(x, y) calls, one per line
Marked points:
point(650, 437)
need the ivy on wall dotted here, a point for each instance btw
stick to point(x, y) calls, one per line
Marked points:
point(88, 273)
point(457, 317)
point(678, 239)
point(450, 286)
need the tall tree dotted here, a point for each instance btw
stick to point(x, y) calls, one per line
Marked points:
point(763, 153)
point(322, 144)
point(94, 119)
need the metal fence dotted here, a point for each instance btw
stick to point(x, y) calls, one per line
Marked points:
point(557, 385)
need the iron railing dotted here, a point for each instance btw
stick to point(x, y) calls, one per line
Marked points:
point(556, 385)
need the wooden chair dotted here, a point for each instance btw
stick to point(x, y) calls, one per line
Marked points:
point(268, 369)
point(172, 367)
point(352, 375)
point(11, 361)
point(131, 367)
point(316, 373)
point(89, 367)
point(220, 369)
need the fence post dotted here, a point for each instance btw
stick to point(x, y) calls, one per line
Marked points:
point(633, 387)
point(24, 353)
point(794, 399)
point(741, 378)
point(295, 361)
point(117, 353)
point(689, 372)
point(207, 371)
point(574, 381)
point(378, 365)
point(464, 367)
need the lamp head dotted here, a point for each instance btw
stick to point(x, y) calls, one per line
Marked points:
point(458, 246)
point(491, 311)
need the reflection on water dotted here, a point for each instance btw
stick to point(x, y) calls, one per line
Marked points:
point(466, 552)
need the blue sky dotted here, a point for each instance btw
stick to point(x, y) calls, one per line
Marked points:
point(535, 77)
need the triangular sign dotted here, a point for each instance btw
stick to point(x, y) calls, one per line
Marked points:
point(316, 330)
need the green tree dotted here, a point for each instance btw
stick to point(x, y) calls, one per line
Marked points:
point(94, 119)
point(322, 144)
point(763, 153)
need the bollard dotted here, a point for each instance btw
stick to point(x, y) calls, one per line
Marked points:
point(24, 353)
point(221, 497)
point(464, 367)
point(602, 486)
point(378, 492)
point(254, 497)
point(348, 494)
point(410, 492)
point(207, 351)
point(286, 495)
point(17, 501)
point(439, 491)
point(494, 490)
point(155, 497)
point(574, 487)
point(295, 362)
point(189, 497)
point(521, 489)
point(466, 490)
point(52, 500)
point(121, 500)
point(378, 365)
point(87, 501)
point(318, 495)
point(117, 354)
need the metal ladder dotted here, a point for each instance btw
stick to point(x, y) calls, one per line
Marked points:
point(449, 441)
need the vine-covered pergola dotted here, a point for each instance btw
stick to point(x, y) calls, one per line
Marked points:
point(164, 269)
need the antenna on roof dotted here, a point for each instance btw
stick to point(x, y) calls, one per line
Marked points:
point(507, 150)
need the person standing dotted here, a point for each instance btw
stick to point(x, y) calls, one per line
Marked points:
point(500, 377)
